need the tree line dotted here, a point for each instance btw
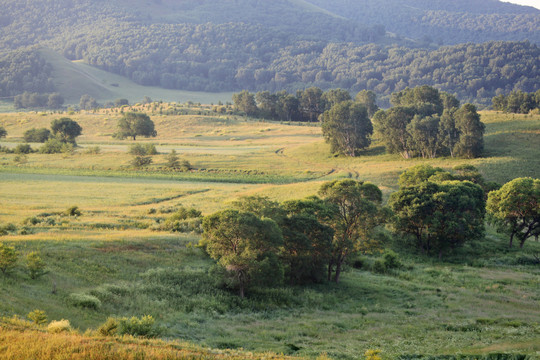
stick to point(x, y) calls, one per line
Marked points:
point(423, 121)
point(259, 242)
point(518, 102)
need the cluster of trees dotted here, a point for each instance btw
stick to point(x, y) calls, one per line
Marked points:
point(307, 105)
point(37, 100)
point(24, 70)
point(60, 138)
point(261, 242)
point(425, 122)
point(518, 102)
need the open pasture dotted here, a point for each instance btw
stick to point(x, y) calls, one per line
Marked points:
point(482, 299)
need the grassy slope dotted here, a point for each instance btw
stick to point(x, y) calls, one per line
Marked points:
point(477, 301)
point(74, 79)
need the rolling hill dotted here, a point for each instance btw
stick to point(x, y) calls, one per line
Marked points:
point(219, 46)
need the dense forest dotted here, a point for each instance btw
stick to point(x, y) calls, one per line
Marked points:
point(256, 45)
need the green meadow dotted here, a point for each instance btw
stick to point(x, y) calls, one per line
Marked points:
point(482, 299)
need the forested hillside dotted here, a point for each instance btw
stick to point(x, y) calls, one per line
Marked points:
point(259, 45)
point(443, 22)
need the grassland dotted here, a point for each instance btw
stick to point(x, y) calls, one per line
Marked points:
point(483, 299)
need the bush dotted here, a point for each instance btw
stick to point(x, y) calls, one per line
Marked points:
point(23, 149)
point(109, 327)
point(8, 258)
point(35, 265)
point(84, 301)
point(73, 211)
point(391, 260)
point(93, 150)
point(141, 161)
point(56, 327)
point(51, 146)
point(38, 317)
point(143, 327)
point(139, 149)
point(379, 266)
point(37, 135)
point(20, 159)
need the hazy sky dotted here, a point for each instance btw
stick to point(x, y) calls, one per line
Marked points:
point(535, 3)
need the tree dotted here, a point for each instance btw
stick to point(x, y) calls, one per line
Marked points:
point(515, 209)
point(391, 126)
point(424, 132)
point(173, 161)
point(245, 246)
point(311, 103)
point(35, 265)
point(355, 212)
point(307, 240)
point(441, 215)
point(66, 130)
point(8, 258)
point(121, 102)
point(88, 103)
point(245, 101)
point(135, 124)
point(425, 99)
point(36, 135)
point(3, 132)
point(346, 126)
point(369, 99)
point(55, 101)
point(471, 130)
point(335, 96)
point(448, 132)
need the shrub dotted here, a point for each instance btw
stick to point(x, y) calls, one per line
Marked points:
point(38, 317)
point(93, 150)
point(109, 327)
point(35, 265)
point(143, 327)
point(31, 221)
point(150, 149)
point(23, 149)
point(8, 258)
point(140, 149)
point(141, 161)
point(84, 301)
point(51, 146)
point(56, 327)
point(379, 266)
point(36, 135)
point(73, 211)
point(391, 260)
point(20, 159)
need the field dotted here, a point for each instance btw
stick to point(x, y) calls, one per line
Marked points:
point(483, 299)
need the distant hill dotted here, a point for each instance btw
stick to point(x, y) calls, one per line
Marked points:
point(229, 45)
point(443, 21)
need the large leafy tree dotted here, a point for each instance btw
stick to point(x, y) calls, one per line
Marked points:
point(65, 130)
point(245, 246)
point(471, 132)
point(369, 99)
point(311, 103)
point(346, 126)
point(245, 101)
point(391, 127)
point(135, 124)
point(355, 212)
point(515, 209)
point(440, 214)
